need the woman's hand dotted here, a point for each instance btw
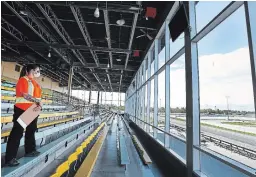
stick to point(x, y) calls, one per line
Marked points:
point(38, 108)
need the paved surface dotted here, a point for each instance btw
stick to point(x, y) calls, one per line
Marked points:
point(232, 137)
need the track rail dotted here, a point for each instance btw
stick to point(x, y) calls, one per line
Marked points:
point(224, 144)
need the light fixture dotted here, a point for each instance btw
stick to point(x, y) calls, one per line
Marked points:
point(23, 12)
point(108, 65)
point(118, 59)
point(120, 22)
point(49, 54)
point(3, 49)
point(97, 12)
point(146, 18)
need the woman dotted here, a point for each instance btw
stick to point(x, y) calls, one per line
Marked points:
point(26, 88)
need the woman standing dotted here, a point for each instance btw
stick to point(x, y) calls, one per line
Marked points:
point(27, 91)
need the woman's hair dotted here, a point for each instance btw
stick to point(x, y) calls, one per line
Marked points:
point(27, 69)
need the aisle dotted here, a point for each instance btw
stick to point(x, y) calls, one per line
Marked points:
point(107, 164)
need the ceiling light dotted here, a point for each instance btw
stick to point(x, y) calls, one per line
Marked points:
point(23, 12)
point(108, 65)
point(120, 22)
point(146, 18)
point(118, 59)
point(134, 8)
point(97, 13)
point(3, 49)
point(49, 54)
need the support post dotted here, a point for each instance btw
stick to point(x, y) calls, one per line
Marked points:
point(250, 15)
point(70, 77)
point(149, 91)
point(156, 89)
point(98, 98)
point(192, 93)
point(90, 94)
point(167, 86)
point(101, 97)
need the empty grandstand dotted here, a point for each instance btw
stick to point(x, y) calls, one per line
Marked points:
point(132, 88)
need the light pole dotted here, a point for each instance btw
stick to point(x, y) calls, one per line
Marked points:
point(227, 97)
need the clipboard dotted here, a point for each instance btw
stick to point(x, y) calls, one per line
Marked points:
point(28, 116)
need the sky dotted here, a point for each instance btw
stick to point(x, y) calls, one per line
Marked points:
point(224, 63)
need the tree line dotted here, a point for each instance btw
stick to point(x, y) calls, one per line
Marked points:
point(204, 111)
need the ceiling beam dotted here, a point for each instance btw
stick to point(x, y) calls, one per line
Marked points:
point(104, 73)
point(93, 22)
point(56, 24)
point(134, 24)
point(66, 46)
point(82, 26)
point(110, 84)
point(37, 27)
point(113, 84)
point(104, 66)
point(106, 19)
point(15, 33)
point(102, 6)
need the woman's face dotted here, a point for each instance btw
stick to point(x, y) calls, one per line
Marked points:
point(35, 72)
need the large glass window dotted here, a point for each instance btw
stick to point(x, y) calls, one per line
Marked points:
point(146, 105)
point(215, 9)
point(151, 117)
point(226, 95)
point(161, 105)
point(178, 106)
point(176, 45)
point(146, 74)
point(161, 53)
point(152, 61)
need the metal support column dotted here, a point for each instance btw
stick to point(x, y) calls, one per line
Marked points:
point(101, 97)
point(250, 15)
point(143, 94)
point(149, 91)
point(98, 98)
point(167, 86)
point(156, 89)
point(90, 95)
point(70, 77)
point(192, 93)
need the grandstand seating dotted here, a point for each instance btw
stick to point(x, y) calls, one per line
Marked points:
point(72, 164)
point(54, 113)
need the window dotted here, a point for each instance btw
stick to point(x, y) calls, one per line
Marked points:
point(146, 65)
point(17, 68)
point(152, 61)
point(176, 45)
point(216, 8)
point(178, 106)
point(151, 117)
point(226, 95)
point(161, 53)
point(161, 105)
point(146, 105)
